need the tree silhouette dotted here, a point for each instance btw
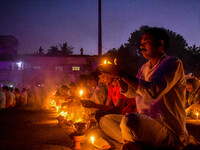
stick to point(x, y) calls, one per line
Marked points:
point(192, 61)
point(65, 49)
point(53, 51)
point(130, 57)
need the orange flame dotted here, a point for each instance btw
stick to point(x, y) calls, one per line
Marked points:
point(92, 139)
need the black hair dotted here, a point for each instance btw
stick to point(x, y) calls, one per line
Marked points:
point(5, 88)
point(65, 87)
point(194, 82)
point(95, 74)
point(72, 84)
point(16, 90)
point(159, 34)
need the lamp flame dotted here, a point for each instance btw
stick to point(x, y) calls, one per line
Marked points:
point(57, 108)
point(79, 120)
point(64, 114)
point(106, 62)
point(92, 139)
point(81, 93)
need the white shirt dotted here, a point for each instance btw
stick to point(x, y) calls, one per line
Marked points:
point(161, 93)
point(99, 94)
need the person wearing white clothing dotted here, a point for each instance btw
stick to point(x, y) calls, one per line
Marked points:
point(2, 99)
point(160, 90)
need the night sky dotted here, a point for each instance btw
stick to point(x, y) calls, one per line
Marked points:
point(45, 23)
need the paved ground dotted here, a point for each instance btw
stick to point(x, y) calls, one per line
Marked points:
point(38, 130)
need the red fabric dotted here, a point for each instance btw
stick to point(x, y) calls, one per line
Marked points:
point(130, 106)
point(114, 93)
point(7, 102)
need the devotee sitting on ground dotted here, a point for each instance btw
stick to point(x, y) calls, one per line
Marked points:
point(12, 96)
point(17, 97)
point(160, 88)
point(99, 90)
point(8, 96)
point(2, 99)
point(193, 100)
point(63, 92)
point(73, 94)
point(24, 96)
point(115, 102)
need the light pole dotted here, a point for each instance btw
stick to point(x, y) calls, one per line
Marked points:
point(99, 31)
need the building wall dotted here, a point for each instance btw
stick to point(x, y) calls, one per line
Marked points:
point(34, 69)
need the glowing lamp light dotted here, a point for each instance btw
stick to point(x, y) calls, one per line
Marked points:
point(64, 114)
point(57, 108)
point(79, 120)
point(92, 139)
point(115, 61)
point(106, 62)
point(81, 93)
point(19, 64)
point(197, 115)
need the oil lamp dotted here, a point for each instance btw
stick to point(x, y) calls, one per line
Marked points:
point(79, 135)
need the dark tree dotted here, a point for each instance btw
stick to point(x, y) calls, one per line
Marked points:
point(130, 57)
point(53, 51)
point(112, 53)
point(192, 61)
point(66, 49)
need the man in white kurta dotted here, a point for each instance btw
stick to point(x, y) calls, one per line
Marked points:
point(159, 89)
point(160, 98)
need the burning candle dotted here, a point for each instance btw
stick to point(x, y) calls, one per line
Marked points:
point(92, 139)
point(106, 62)
point(64, 114)
point(57, 108)
point(81, 93)
point(197, 115)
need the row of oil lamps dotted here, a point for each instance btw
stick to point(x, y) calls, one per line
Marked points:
point(64, 117)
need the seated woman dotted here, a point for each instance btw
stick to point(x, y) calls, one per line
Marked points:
point(193, 100)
